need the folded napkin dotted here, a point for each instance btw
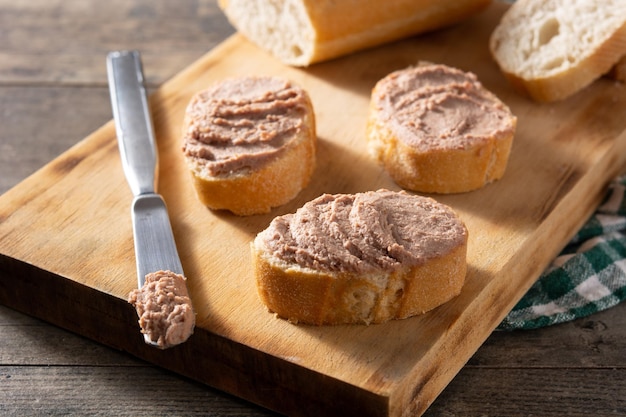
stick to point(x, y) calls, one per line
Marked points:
point(589, 275)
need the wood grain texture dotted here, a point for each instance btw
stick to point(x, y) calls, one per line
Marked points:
point(48, 371)
point(64, 42)
point(473, 392)
point(33, 144)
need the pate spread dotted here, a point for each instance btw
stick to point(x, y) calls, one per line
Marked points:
point(165, 313)
point(242, 123)
point(434, 106)
point(365, 232)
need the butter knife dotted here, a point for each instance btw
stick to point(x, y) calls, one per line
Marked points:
point(155, 248)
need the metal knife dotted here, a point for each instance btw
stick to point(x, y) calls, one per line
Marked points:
point(155, 248)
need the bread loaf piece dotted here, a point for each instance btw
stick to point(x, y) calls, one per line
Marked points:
point(301, 32)
point(551, 49)
point(436, 129)
point(250, 143)
point(360, 258)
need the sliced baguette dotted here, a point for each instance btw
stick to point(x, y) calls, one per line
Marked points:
point(362, 258)
point(301, 32)
point(436, 129)
point(248, 115)
point(551, 49)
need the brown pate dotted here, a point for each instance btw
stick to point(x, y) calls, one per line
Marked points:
point(365, 232)
point(242, 123)
point(166, 316)
point(434, 106)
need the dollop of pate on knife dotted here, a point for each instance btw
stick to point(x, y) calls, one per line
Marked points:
point(164, 308)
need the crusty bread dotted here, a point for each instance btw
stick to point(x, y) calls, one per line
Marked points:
point(436, 129)
point(618, 71)
point(551, 49)
point(250, 143)
point(361, 258)
point(301, 32)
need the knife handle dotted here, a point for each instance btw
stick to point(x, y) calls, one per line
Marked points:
point(133, 124)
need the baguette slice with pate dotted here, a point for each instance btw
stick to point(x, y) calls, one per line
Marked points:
point(360, 258)
point(437, 129)
point(250, 143)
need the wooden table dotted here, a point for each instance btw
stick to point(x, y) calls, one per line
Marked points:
point(53, 93)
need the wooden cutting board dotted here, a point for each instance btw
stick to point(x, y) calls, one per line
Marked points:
point(66, 247)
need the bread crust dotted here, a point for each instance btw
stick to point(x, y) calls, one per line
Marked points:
point(618, 71)
point(303, 295)
point(255, 191)
point(328, 29)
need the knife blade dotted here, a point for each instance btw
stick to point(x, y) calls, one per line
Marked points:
point(155, 247)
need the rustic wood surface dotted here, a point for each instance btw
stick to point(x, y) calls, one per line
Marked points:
point(53, 93)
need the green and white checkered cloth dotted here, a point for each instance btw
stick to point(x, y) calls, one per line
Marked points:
point(588, 276)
